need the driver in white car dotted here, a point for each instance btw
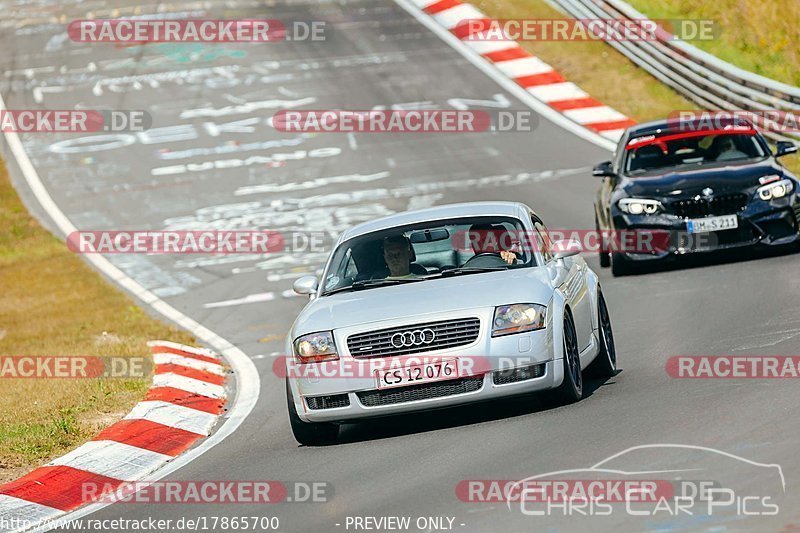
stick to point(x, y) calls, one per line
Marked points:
point(478, 234)
point(397, 253)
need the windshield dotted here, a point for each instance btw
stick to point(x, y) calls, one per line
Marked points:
point(650, 153)
point(428, 251)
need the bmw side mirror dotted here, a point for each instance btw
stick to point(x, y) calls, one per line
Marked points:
point(306, 285)
point(785, 148)
point(603, 170)
point(568, 248)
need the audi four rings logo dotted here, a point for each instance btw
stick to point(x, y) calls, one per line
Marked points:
point(418, 337)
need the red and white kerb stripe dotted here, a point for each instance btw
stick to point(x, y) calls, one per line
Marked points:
point(536, 76)
point(183, 404)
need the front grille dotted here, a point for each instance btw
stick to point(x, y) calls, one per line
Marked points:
point(448, 334)
point(439, 389)
point(724, 204)
point(328, 402)
point(502, 377)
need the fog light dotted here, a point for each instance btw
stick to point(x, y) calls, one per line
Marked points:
point(501, 377)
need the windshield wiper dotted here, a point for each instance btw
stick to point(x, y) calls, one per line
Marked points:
point(469, 270)
point(371, 283)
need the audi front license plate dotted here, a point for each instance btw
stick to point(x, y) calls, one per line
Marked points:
point(417, 374)
point(704, 225)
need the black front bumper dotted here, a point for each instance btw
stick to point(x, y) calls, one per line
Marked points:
point(761, 224)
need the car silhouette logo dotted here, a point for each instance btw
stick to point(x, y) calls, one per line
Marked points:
point(417, 337)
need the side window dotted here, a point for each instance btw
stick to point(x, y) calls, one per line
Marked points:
point(543, 239)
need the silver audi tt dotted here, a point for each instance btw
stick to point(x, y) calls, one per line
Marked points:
point(439, 307)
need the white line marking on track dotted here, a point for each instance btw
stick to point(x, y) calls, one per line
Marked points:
point(555, 92)
point(12, 508)
point(588, 115)
point(489, 45)
point(249, 299)
point(190, 349)
point(188, 362)
point(450, 18)
point(172, 415)
point(524, 66)
point(113, 459)
point(192, 385)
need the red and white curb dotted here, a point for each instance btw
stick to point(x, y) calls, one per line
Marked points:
point(538, 78)
point(183, 405)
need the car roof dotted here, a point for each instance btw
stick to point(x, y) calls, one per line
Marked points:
point(442, 212)
point(675, 125)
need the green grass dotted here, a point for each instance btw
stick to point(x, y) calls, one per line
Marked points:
point(52, 303)
point(759, 36)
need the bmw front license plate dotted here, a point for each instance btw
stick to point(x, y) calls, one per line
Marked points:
point(704, 225)
point(416, 374)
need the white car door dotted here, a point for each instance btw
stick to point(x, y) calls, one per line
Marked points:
point(573, 284)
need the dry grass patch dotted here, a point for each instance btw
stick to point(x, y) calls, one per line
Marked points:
point(52, 303)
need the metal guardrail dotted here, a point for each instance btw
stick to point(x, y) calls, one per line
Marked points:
point(699, 76)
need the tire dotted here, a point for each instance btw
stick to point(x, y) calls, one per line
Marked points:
point(309, 433)
point(571, 388)
point(605, 364)
point(619, 266)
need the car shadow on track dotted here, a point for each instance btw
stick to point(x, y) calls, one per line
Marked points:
point(710, 259)
point(464, 415)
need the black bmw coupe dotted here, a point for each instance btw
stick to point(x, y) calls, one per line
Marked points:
point(695, 188)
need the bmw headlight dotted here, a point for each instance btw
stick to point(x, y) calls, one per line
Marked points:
point(776, 189)
point(315, 347)
point(517, 318)
point(639, 206)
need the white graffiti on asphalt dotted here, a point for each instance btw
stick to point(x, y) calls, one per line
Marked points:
point(310, 184)
point(247, 107)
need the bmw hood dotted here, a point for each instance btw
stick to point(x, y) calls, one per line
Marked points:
point(417, 299)
point(722, 178)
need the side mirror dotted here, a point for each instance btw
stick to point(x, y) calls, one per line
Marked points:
point(602, 170)
point(785, 148)
point(568, 248)
point(305, 285)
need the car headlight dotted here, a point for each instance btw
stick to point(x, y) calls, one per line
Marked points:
point(776, 189)
point(517, 318)
point(639, 206)
point(315, 347)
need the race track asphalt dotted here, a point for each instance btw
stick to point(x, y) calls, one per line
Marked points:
point(217, 99)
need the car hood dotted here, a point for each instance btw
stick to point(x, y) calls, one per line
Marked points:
point(414, 300)
point(723, 178)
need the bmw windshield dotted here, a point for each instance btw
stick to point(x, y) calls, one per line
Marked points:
point(652, 153)
point(428, 251)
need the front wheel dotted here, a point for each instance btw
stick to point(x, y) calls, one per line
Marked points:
point(605, 364)
point(619, 266)
point(571, 389)
point(309, 433)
